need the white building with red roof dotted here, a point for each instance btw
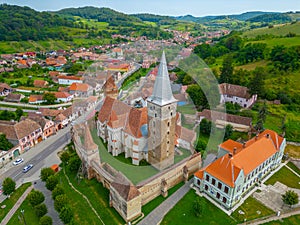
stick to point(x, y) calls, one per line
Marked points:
point(239, 167)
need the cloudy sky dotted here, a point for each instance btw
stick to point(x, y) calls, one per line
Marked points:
point(168, 7)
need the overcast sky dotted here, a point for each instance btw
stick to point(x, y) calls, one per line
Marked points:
point(168, 7)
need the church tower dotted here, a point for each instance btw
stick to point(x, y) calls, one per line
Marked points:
point(161, 120)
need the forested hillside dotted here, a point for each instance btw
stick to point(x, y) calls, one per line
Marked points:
point(23, 23)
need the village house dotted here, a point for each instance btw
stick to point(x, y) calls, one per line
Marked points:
point(8, 156)
point(63, 97)
point(221, 119)
point(5, 89)
point(236, 94)
point(25, 133)
point(46, 124)
point(40, 83)
point(68, 80)
point(11, 97)
point(110, 88)
point(36, 99)
point(239, 167)
point(80, 90)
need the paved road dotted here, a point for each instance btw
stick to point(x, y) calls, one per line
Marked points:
point(156, 216)
point(14, 109)
point(35, 106)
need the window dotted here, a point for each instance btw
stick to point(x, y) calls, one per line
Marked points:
point(155, 115)
point(218, 195)
point(198, 182)
point(219, 185)
point(224, 200)
point(207, 178)
point(213, 181)
point(206, 187)
point(168, 124)
point(226, 189)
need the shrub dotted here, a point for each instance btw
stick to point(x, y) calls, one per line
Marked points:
point(60, 202)
point(74, 163)
point(51, 182)
point(58, 190)
point(35, 197)
point(46, 220)
point(66, 214)
point(45, 173)
point(40, 210)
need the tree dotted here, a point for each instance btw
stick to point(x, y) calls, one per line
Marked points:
point(49, 98)
point(197, 95)
point(261, 117)
point(66, 214)
point(228, 132)
point(290, 198)
point(60, 202)
point(74, 163)
point(4, 143)
point(256, 84)
point(46, 172)
point(19, 113)
point(58, 190)
point(35, 197)
point(198, 207)
point(65, 157)
point(51, 182)
point(40, 210)
point(9, 186)
point(226, 70)
point(205, 126)
point(46, 220)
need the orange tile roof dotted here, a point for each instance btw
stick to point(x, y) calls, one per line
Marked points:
point(62, 95)
point(69, 77)
point(79, 87)
point(229, 145)
point(200, 173)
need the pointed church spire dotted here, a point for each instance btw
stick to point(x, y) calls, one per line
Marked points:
point(162, 92)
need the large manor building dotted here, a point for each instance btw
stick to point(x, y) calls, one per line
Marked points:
point(239, 167)
point(147, 133)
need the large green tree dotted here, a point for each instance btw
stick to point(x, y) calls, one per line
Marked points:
point(9, 186)
point(51, 182)
point(49, 98)
point(290, 198)
point(226, 70)
point(4, 143)
point(35, 197)
point(46, 172)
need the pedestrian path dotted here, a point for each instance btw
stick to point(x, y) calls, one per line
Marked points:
point(16, 206)
point(157, 215)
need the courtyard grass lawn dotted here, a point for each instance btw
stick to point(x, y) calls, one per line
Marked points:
point(292, 220)
point(183, 213)
point(187, 109)
point(146, 209)
point(185, 154)
point(96, 194)
point(12, 200)
point(253, 209)
point(29, 215)
point(134, 173)
point(293, 167)
point(285, 176)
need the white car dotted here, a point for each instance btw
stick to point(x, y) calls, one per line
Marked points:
point(18, 161)
point(26, 168)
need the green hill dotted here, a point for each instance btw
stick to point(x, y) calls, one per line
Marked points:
point(276, 30)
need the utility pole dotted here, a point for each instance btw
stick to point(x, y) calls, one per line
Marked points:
point(22, 212)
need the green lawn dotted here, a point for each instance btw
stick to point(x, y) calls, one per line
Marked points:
point(29, 215)
point(146, 209)
point(292, 220)
point(134, 173)
point(187, 109)
point(185, 154)
point(293, 167)
point(182, 213)
point(285, 176)
point(253, 209)
point(98, 197)
point(12, 200)
point(288, 42)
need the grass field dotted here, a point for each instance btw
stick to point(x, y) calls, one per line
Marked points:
point(293, 151)
point(182, 213)
point(29, 215)
point(293, 167)
point(253, 209)
point(287, 41)
point(98, 197)
point(253, 65)
point(277, 30)
point(285, 176)
point(292, 220)
point(187, 109)
point(12, 200)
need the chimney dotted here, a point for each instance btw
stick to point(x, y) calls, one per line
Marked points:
point(234, 150)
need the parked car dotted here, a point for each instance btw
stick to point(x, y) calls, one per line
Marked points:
point(18, 161)
point(27, 168)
